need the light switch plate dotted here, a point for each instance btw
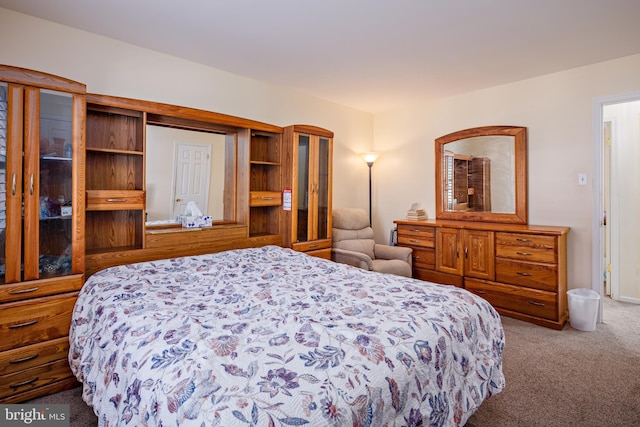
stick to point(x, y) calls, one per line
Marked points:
point(582, 179)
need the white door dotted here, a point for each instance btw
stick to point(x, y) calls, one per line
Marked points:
point(624, 121)
point(191, 177)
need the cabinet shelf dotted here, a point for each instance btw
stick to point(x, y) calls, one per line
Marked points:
point(55, 158)
point(264, 163)
point(115, 151)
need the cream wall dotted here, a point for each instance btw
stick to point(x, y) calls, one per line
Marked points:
point(111, 67)
point(557, 109)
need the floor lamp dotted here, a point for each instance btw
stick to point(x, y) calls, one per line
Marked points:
point(370, 158)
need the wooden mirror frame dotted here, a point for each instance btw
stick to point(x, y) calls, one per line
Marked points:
point(520, 169)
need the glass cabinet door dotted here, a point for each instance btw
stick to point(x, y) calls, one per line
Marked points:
point(55, 184)
point(323, 188)
point(35, 183)
point(304, 170)
point(3, 180)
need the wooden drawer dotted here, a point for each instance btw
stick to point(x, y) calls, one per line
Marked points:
point(527, 247)
point(39, 376)
point(424, 258)
point(265, 198)
point(516, 298)
point(38, 288)
point(530, 274)
point(33, 355)
point(314, 245)
point(321, 253)
point(416, 235)
point(115, 200)
point(437, 277)
point(36, 320)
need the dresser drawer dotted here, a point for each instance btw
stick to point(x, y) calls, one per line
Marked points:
point(33, 355)
point(265, 198)
point(532, 275)
point(39, 288)
point(314, 245)
point(527, 247)
point(416, 235)
point(33, 321)
point(424, 258)
point(39, 376)
point(113, 200)
point(516, 298)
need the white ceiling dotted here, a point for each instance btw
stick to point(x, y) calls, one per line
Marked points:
point(373, 55)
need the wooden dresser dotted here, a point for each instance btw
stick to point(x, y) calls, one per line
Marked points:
point(520, 269)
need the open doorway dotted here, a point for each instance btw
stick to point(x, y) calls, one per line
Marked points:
point(617, 194)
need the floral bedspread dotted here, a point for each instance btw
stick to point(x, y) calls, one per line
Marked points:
point(272, 337)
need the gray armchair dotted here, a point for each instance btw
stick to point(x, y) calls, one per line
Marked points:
point(353, 244)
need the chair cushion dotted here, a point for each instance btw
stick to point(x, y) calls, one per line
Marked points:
point(350, 218)
point(392, 266)
point(364, 246)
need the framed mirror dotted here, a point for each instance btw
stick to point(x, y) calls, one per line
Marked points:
point(481, 175)
point(183, 166)
point(189, 161)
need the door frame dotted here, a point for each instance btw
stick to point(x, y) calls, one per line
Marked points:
point(598, 269)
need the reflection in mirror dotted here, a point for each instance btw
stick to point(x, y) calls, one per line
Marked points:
point(181, 166)
point(481, 175)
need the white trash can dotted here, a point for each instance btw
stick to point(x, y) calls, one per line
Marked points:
point(583, 308)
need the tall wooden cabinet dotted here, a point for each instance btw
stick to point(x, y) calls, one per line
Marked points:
point(520, 269)
point(308, 156)
point(41, 228)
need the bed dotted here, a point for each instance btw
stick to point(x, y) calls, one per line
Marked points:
point(272, 337)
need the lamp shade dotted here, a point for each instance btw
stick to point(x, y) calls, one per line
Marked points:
point(370, 158)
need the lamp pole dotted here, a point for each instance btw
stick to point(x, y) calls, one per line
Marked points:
point(370, 164)
point(370, 158)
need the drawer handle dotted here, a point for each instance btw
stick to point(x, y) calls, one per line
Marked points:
point(416, 257)
point(520, 273)
point(523, 240)
point(539, 304)
point(22, 325)
point(523, 253)
point(266, 198)
point(313, 246)
point(18, 385)
point(479, 292)
point(13, 185)
point(414, 240)
point(24, 359)
point(23, 291)
point(116, 200)
point(416, 230)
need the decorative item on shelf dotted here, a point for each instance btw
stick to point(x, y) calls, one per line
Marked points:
point(370, 159)
point(416, 213)
point(193, 218)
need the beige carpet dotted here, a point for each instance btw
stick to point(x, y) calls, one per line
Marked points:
point(554, 378)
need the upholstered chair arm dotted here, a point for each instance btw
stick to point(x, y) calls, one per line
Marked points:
point(355, 259)
point(393, 252)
